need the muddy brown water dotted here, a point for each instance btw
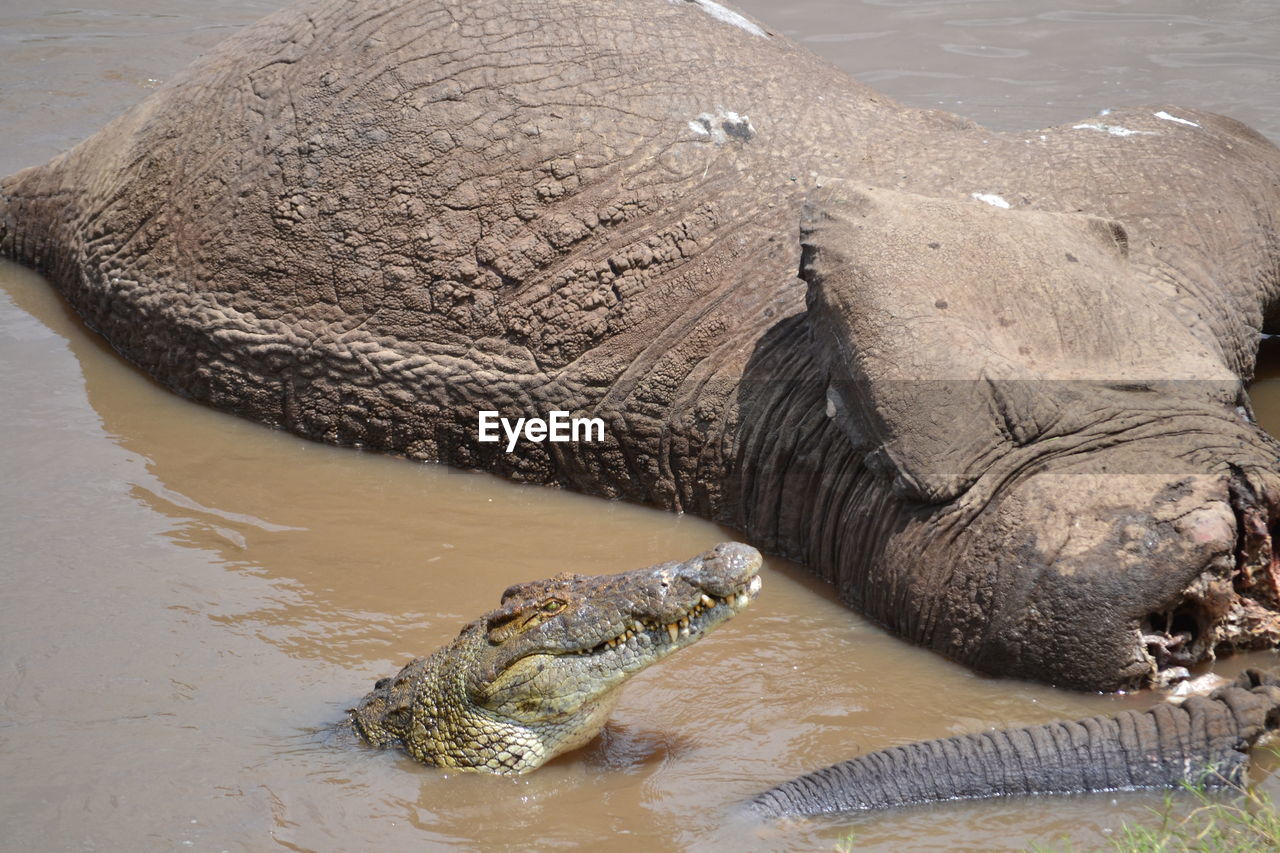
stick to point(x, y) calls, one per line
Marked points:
point(190, 601)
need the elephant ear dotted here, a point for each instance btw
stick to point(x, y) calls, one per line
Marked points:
point(953, 331)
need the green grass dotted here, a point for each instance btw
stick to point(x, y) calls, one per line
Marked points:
point(1221, 822)
point(1248, 823)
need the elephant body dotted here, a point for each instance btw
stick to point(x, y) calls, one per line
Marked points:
point(992, 390)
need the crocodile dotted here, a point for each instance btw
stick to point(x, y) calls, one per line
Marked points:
point(539, 675)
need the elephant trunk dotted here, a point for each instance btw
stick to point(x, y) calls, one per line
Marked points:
point(1204, 741)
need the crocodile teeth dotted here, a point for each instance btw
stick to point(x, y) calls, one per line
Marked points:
point(707, 601)
point(673, 631)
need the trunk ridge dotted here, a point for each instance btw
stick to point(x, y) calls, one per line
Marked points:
point(1203, 741)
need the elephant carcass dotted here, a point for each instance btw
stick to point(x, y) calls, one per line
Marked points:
point(369, 222)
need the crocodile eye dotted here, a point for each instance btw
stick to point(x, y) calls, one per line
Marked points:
point(544, 611)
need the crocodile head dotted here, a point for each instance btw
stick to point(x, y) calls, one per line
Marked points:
point(539, 675)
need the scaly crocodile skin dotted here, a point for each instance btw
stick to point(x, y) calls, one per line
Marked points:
point(539, 675)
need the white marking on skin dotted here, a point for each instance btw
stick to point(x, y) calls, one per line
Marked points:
point(722, 125)
point(1167, 117)
point(1113, 129)
point(991, 199)
point(728, 16)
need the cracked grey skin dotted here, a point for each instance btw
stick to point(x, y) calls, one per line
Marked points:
point(1016, 436)
point(540, 675)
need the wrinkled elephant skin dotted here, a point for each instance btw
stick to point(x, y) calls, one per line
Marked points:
point(1001, 409)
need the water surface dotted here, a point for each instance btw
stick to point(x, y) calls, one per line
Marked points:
point(191, 600)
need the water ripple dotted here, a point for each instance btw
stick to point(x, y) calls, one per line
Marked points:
point(1081, 16)
point(983, 51)
point(985, 22)
point(846, 37)
point(1215, 60)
